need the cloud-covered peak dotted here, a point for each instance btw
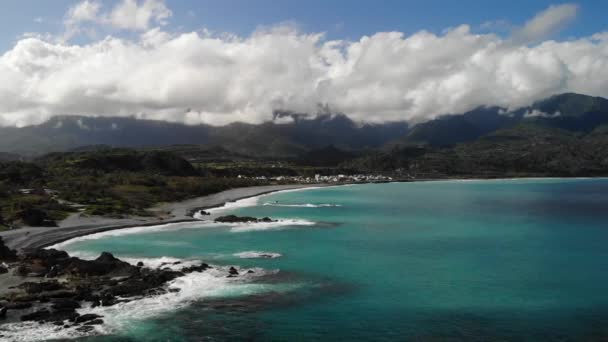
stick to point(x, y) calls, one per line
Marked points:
point(200, 77)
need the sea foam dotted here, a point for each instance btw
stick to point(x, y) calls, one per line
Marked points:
point(257, 255)
point(195, 286)
point(306, 205)
point(276, 225)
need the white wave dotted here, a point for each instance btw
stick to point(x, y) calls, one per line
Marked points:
point(120, 318)
point(307, 205)
point(279, 224)
point(242, 203)
point(257, 254)
point(135, 230)
point(253, 201)
point(172, 263)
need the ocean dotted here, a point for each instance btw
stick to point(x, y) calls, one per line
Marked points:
point(447, 260)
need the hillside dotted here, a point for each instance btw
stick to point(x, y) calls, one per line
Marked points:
point(266, 140)
point(526, 149)
point(570, 112)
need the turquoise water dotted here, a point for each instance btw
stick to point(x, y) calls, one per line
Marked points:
point(475, 260)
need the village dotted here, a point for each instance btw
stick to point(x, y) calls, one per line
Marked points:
point(341, 178)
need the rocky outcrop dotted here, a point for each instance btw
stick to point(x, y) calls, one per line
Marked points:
point(242, 219)
point(68, 284)
point(6, 254)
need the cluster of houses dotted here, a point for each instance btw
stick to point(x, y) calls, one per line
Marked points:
point(325, 179)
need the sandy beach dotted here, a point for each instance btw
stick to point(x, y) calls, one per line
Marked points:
point(78, 225)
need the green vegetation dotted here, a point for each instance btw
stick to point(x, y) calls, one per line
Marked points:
point(110, 182)
point(529, 149)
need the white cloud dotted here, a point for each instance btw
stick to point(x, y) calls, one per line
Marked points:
point(547, 22)
point(206, 78)
point(535, 113)
point(130, 15)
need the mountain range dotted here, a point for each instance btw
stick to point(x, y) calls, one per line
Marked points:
point(333, 134)
point(269, 139)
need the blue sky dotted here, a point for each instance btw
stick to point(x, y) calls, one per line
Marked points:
point(341, 19)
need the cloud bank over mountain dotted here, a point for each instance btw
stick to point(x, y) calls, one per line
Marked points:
point(202, 77)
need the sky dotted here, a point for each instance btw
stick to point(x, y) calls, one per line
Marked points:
point(217, 62)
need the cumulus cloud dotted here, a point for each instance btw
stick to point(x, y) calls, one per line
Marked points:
point(199, 77)
point(133, 16)
point(130, 15)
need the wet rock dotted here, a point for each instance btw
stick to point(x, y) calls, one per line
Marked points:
point(140, 264)
point(95, 322)
point(105, 264)
point(39, 315)
point(104, 281)
point(85, 328)
point(47, 256)
point(233, 271)
point(3, 311)
point(3, 269)
point(64, 304)
point(250, 271)
point(63, 315)
point(200, 268)
point(241, 219)
point(17, 305)
point(22, 270)
point(6, 253)
point(31, 287)
point(86, 318)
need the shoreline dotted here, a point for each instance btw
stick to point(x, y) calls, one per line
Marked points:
point(180, 212)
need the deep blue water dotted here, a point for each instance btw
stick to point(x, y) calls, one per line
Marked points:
point(476, 260)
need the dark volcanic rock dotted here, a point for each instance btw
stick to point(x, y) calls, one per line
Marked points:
point(94, 322)
point(85, 328)
point(104, 281)
point(63, 315)
point(6, 253)
point(242, 219)
point(199, 268)
point(17, 305)
point(3, 311)
point(39, 315)
point(31, 287)
point(233, 271)
point(106, 264)
point(3, 270)
point(86, 318)
point(65, 304)
point(47, 255)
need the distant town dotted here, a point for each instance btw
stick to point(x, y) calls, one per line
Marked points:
point(323, 179)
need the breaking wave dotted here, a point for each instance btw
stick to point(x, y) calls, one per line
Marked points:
point(307, 205)
point(260, 226)
point(257, 255)
point(119, 318)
